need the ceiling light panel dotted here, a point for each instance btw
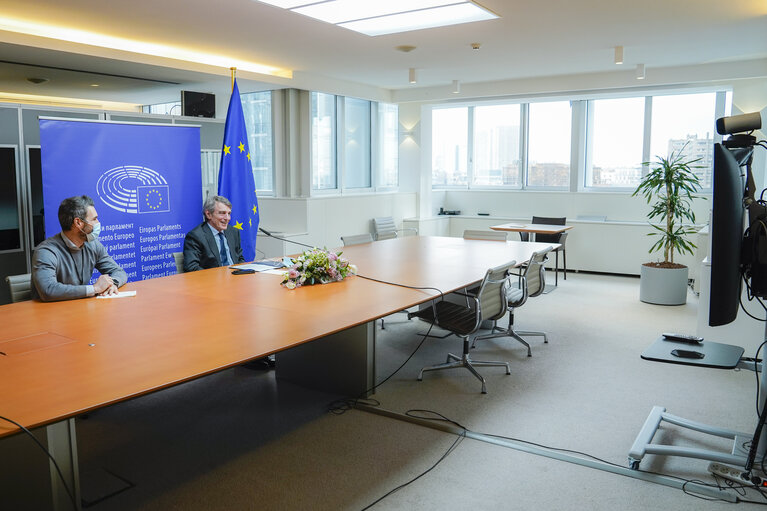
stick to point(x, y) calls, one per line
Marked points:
point(288, 4)
point(417, 20)
point(377, 17)
point(339, 11)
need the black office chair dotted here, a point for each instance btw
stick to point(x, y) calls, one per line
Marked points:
point(488, 304)
point(531, 283)
point(551, 238)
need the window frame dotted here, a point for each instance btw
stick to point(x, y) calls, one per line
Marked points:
point(581, 134)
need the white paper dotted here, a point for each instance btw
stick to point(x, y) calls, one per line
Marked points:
point(120, 294)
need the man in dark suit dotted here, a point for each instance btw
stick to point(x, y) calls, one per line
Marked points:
point(213, 243)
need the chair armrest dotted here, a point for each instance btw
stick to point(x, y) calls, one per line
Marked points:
point(408, 229)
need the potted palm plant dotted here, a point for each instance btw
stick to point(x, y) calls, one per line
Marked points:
point(670, 186)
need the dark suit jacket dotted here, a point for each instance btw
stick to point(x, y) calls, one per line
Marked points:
point(201, 250)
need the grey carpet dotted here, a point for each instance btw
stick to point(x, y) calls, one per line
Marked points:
point(242, 440)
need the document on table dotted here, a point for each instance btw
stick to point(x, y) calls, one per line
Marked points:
point(120, 294)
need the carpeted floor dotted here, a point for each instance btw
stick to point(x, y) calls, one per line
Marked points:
point(241, 439)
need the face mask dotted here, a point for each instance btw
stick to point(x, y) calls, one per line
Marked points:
point(91, 236)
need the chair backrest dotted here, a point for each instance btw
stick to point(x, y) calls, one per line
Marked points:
point(179, 258)
point(471, 234)
point(549, 220)
point(20, 286)
point(535, 273)
point(384, 228)
point(492, 292)
point(533, 280)
point(357, 239)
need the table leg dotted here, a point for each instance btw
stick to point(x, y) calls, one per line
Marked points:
point(340, 363)
point(29, 480)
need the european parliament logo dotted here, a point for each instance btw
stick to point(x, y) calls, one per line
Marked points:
point(134, 189)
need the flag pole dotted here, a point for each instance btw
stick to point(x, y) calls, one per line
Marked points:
point(234, 72)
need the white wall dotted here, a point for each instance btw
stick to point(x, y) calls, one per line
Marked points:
point(321, 221)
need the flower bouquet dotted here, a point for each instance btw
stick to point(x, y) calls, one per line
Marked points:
point(317, 266)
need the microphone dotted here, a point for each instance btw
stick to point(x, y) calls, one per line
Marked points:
point(283, 239)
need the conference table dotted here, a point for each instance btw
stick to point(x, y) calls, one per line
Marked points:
point(62, 359)
point(535, 229)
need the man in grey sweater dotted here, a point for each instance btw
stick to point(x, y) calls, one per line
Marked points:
point(63, 264)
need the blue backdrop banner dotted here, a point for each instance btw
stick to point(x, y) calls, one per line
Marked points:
point(145, 181)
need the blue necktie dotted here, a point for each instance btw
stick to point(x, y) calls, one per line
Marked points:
point(224, 259)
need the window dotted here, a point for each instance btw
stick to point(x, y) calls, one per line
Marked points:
point(354, 144)
point(617, 137)
point(323, 141)
point(388, 120)
point(496, 146)
point(163, 108)
point(685, 123)
point(257, 110)
point(450, 133)
point(548, 152)
point(357, 171)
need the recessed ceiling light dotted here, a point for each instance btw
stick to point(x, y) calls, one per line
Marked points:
point(37, 81)
point(405, 48)
point(95, 85)
point(373, 17)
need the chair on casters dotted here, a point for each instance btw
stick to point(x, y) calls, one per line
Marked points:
point(531, 284)
point(551, 238)
point(488, 304)
point(385, 229)
point(356, 239)
point(179, 258)
point(20, 287)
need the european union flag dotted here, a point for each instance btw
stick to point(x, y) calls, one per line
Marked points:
point(235, 177)
point(153, 199)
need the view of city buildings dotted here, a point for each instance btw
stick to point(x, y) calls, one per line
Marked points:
point(691, 147)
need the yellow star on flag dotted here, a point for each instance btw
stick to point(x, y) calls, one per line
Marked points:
point(241, 147)
point(250, 222)
point(227, 149)
point(248, 156)
point(238, 225)
point(255, 210)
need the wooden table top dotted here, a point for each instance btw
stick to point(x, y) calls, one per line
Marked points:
point(534, 228)
point(62, 359)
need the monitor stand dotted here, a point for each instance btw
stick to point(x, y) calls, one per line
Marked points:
point(738, 456)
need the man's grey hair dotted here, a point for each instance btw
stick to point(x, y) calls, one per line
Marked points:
point(71, 208)
point(210, 204)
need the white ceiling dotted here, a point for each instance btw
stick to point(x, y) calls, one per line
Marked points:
point(530, 40)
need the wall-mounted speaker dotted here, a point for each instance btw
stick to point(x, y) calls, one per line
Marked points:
point(198, 104)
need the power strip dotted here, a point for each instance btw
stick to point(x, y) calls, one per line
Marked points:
point(734, 474)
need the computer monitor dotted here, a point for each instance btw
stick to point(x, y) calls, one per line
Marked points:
point(727, 227)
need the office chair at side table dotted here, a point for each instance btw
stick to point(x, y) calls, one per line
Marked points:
point(20, 287)
point(356, 239)
point(179, 258)
point(551, 238)
point(531, 284)
point(385, 229)
point(488, 304)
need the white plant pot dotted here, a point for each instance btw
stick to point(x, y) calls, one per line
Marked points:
point(663, 286)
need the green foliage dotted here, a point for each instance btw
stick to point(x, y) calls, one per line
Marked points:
point(672, 184)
